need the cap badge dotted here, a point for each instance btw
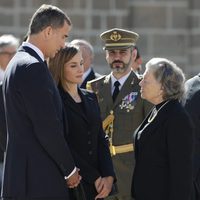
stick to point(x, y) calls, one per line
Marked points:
point(115, 36)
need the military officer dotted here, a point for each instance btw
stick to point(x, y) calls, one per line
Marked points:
point(122, 108)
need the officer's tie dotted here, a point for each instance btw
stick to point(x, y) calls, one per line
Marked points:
point(116, 90)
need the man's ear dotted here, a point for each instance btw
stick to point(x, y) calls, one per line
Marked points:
point(47, 32)
point(134, 54)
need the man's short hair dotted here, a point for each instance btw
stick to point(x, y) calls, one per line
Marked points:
point(47, 15)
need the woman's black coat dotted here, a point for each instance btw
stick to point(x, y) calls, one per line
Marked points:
point(163, 156)
point(86, 139)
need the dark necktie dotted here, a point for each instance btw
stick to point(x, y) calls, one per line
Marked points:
point(116, 90)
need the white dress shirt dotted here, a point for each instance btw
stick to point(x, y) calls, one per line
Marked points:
point(121, 81)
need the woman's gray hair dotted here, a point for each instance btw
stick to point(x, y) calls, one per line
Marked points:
point(169, 75)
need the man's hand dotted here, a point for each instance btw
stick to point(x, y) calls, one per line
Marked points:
point(103, 186)
point(74, 179)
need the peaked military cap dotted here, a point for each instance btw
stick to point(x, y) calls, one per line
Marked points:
point(119, 38)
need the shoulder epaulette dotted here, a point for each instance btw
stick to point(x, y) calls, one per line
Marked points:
point(97, 79)
point(86, 91)
point(90, 83)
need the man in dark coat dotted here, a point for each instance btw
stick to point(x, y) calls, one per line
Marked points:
point(38, 162)
point(191, 103)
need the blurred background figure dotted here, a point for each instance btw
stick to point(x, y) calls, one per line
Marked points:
point(8, 47)
point(88, 57)
point(191, 101)
point(137, 64)
point(2, 133)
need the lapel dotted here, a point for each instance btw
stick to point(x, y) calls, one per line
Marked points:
point(136, 142)
point(162, 116)
point(88, 103)
point(69, 102)
point(31, 52)
point(106, 89)
point(141, 126)
point(129, 86)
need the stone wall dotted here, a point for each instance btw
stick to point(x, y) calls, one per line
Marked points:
point(167, 28)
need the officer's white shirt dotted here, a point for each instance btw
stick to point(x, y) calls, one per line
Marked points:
point(121, 81)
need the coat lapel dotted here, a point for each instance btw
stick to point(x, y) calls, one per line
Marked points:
point(129, 86)
point(159, 119)
point(68, 101)
point(87, 102)
point(31, 52)
point(106, 89)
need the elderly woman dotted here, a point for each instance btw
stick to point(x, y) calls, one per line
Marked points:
point(164, 140)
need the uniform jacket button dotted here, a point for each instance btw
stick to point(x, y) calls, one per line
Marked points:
point(89, 142)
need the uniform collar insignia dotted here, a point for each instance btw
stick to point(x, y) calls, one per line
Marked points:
point(107, 78)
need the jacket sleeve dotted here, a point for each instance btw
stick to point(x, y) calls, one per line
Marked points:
point(44, 109)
